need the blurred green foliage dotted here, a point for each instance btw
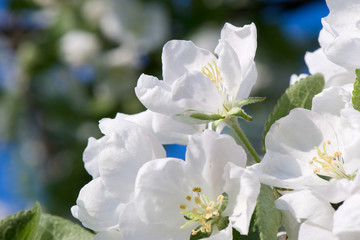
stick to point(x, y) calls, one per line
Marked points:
point(53, 106)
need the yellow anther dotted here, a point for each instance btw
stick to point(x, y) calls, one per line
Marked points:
point(220, 198)
point(316, 170)
point(208, 215)
point(216, 213)
point(197, 189)
point(193, 232)
point(311, 162)
point(207, 227)
point(197, 200)
point(202, 229)
point(188, 198)
point(211, 204)
point(202, 221)
point(183, 206)
point(314, 158)
point(328, 142)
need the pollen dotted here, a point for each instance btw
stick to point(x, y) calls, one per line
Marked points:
point(213, 73)
point(206, 212)
point(329, 165)
point(220, 198)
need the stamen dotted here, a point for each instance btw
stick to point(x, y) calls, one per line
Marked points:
point(327, 164)
point(206, 212)
point(183, 206)
point(213, 73)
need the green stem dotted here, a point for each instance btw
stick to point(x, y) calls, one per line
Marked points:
point(233, 123)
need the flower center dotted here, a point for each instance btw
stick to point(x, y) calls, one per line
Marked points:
point(205, 211)
point(328, 166)
point(213, 73)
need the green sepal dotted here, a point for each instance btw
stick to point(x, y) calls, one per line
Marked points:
point(224, 202)
point(246, 101)
point(326, 178)
point(238, 112)
point(222, 223)
point(356, 92)
point(197, 117)
point(298, 95)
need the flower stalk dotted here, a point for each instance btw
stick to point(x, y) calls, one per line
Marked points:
point(234, 124)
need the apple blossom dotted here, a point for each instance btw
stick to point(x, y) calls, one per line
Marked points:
point(199, 84)
point(315, 149)
point(113, 162)
point(208, 193)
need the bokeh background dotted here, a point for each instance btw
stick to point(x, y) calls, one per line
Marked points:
point(66, 64)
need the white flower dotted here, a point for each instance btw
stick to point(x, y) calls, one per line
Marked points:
point(113, 162)
point(316, 149)
point(207, 194)
point(78, 47)
point(314, 218)
point(198, 81)
point(340, 36)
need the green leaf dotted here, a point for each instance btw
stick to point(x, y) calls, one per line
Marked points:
point(268, 217)
point(356, 92)
point(298, 95)
point(33, 225)
point(20, 225)
point(54, 227)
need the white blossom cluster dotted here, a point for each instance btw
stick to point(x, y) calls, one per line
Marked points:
point(311, 161)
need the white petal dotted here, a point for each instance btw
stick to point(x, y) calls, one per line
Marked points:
point(96, 207)
point(295, 78)
point(180, 57)
point(156, 95)
point(334, 74)
point(243, 41)
point(165, 128)
point(161, 187)
point(248, 82)
point(305, 205)
point(242, 201)
point(208, 153)
point(343, 51)
point(132, 227)
point(225, 234)
point(121, 159)
point(311, 231)
point(331, 100)
point(230, 68)
point(130, 131)
point(90, 155)
point(347, 219)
